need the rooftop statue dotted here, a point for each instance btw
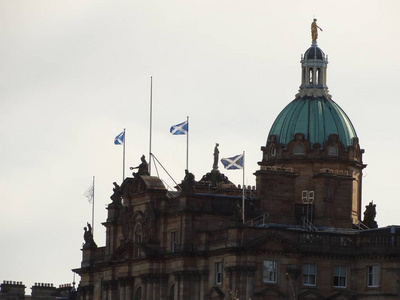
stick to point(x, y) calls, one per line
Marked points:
point(369, 216)
point(216, 155)
point(116, 196)
point(314, 30)
point(143, 168)
point(188, 183)
point(88, 237)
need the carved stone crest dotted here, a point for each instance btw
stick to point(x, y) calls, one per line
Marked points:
point(126, 222)
point(149, 224)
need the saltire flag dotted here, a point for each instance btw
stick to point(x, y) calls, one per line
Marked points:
point(233, 163)
point(119, 139)
point(90, 193)
point(181, 128)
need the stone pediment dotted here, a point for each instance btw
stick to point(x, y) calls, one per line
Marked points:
point(124, 251)
point(310, 294)
point(272, 242)
point(127, 251)
point(215, 293)
point(342, 295)
point(141, 184)
point(270, 292)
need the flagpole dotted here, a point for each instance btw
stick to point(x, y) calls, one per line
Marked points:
point(151, 119)
point(123, 159)
point(243, 204)
point(187, 144)
point(93, 208)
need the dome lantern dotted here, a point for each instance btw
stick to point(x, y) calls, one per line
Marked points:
point(314, 63)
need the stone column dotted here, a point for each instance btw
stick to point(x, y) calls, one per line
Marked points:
point(114, 289)
point(203, 281)
point(230, 277)
point(156, 286)
point(250, 283)
point(163, 290)
point(85, 292)
point(196, 278)
point(104, 290)
point(125, 287)
point(121, 290)
point(129, 288)
point(89, 292)
point(178, 286)
point(176, 289)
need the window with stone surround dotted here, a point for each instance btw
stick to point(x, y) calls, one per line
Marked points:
point(218, 273)
point(173, 242)
point(269, 271)
point(299, 149)
point(333, 151)
point(309, 274)
point(340, 276)
point(373, 276)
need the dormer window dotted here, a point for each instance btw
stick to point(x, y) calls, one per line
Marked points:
point(333, 151)
point(299, 149)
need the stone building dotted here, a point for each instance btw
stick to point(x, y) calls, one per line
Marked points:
point(306, 236)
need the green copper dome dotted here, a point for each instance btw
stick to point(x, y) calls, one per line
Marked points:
point(316, 118)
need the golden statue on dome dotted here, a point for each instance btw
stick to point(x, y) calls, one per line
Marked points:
point(314, 30)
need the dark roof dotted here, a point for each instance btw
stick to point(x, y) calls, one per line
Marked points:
point(314, 53)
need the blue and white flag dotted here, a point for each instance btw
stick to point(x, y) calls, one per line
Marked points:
point(181, 128)
point(233, 163)
point(119, 139)
point(90, 193)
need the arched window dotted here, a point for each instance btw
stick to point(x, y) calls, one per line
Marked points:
point(333, 151)
point(273, 151)
point(138, 295)
point(171, 294)
point(299, 149)
point(310, 74)
point(317, 76)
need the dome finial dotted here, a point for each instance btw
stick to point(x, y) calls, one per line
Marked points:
point(314, 30)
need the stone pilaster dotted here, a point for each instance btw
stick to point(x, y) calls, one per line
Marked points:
point(125, 287)
point(85, 292)
point(240, 280)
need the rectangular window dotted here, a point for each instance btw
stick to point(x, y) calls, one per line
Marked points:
point(373, 276)
point(173, 242)
point(218, 273)
point(309, 274)
point(269, 271)
point(340, 276)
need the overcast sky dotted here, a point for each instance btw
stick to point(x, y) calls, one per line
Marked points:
point(74, 74)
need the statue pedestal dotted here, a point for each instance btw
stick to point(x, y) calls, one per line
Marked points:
point(113, 212)
point(88, 255)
